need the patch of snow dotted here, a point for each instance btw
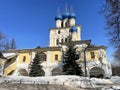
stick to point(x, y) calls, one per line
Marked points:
point(70, 80)
point(101, 81)
point(114, 87)
point(9, 55)
point(115, 79)
point(62, 80)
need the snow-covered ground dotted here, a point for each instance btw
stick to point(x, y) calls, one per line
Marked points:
point(115, 79)
point(75, 81)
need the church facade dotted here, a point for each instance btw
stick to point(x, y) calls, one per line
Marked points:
point(17, 62)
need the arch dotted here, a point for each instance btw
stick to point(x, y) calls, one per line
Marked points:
point(59, 32)
point(57, 41)
point(23, 72)
point(97, 72)
point(43, 56)
point(66, 24)
point(43, 72)
point(62, 40)
point(66, 40)
point(57, 71)
point(62, 24)
point(81, 72)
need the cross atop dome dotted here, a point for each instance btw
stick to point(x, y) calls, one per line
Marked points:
point(66, 7)
point(68, 13)
point(59, 16)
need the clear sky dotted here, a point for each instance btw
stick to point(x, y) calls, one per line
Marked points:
point(28, 21)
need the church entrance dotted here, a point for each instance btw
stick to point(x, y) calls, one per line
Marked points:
point(97, 72)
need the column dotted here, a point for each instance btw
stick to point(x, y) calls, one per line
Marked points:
point(47, 71)
point(48, 57)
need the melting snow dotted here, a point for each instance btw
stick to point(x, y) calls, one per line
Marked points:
point(9, 55)
point(75, 81)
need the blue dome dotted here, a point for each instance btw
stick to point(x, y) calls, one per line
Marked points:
point(73, 29)
point(59, 17)
point(72, 15)
point(66, 15)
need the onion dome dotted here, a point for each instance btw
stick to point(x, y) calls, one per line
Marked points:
point(72, 15)
point(59, 17)
point(73, 29)
point(66, 14)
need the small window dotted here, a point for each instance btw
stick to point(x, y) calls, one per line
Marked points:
point(9, 60)
point(57, 41)
point(92, 55)
point(56, 57)
point(58, 31)
point(67, 24)
point(62, 40)
point(24, 58)
point(66, 40)
point(62, 24)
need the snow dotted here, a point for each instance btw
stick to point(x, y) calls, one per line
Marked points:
point(101, 81)
point(49, 64)
point(115, 79)
point(63, 80)
point(9, 55)
point(112, 88)
point(69, 80)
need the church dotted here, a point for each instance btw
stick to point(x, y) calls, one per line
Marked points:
point(17, 62)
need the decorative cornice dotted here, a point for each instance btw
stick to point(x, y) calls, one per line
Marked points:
point(79, 42)
point(34, 50)
point(95, 47)
point(64, 27)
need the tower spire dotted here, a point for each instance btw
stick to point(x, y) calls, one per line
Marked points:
point(71, 9)
point(58, 11)
point(66, 7)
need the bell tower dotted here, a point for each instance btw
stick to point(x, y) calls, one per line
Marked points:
point(65, 26)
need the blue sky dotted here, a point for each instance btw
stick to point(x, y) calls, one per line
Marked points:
point(28, 21)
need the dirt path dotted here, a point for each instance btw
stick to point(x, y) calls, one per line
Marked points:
point(35, 87)
point(45, 87)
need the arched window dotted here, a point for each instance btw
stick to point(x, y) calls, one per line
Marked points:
point(67, 24)
point(62, 40)
point(56, 57)
point(62, 24)
point(66, 40)
point(57, 71)
point(92, 55)
point(97, 72)
point(24, 58)
point(57, 41)
point(58, 31)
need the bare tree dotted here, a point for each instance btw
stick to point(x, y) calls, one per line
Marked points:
point(10, 44)
point(116, 70)
point(13, 44)
point(2, 41)
point(117, 56)
point(7, 45)
point(111, 11)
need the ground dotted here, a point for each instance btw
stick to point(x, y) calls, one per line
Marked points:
point(62, 82)
point(35, 87)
